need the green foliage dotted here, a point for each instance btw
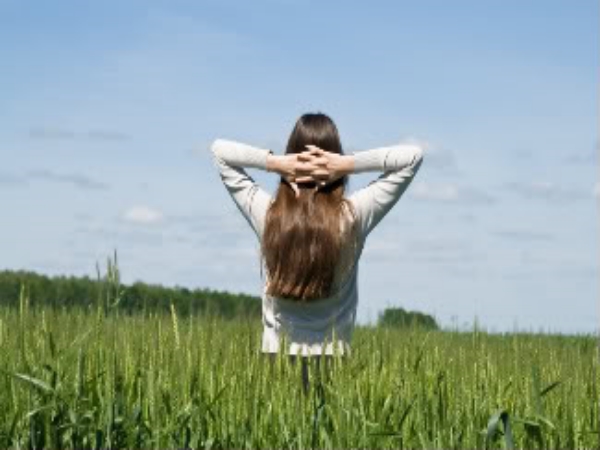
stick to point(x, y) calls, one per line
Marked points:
point(107, 294)
point(92, 377)
point(71, 378)
point(398, 317)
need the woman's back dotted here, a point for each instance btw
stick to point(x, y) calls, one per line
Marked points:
point(308, 324)
point(324, 325)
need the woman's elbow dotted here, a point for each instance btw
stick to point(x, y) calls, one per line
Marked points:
point(217, 149)
point(216, 146)
point(418, 152)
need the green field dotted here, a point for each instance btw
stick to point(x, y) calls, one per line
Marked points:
point(76, 379)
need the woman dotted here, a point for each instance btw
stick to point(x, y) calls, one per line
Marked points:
point(311, 235)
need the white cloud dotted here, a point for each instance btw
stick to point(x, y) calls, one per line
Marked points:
point(76, 179)
point(437, 192)
point(437, 157)
point(65, 134)
point(545, 190)
point(143, 215)
point(425, 145)
point(449, 192)
point(524, 235)
point(582, 158)
point(10, 179)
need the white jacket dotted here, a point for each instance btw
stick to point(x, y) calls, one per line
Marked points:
point(321, 326)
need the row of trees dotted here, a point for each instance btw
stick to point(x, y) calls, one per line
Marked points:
point(108, 293)
point(398, 317)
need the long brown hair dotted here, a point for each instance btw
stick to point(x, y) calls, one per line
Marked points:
point(302, 242)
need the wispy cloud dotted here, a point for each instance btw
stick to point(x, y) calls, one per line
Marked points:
point(585, 157)
point(50, 133)
point(440, 159)
point(428, 249)
point(10, 179)
point(106, 135)
point(214, 229)
point(524, 235)
point(545, 190)
point(441, 250)
point(437, 157)
point(582, 158)
point(118, 236)
point(78, 180)
point(450, 193)
point(438, 244)
point(143, 215)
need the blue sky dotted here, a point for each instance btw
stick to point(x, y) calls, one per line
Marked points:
point(108, 109)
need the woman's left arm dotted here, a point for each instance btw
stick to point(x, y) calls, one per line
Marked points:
point(231, 157)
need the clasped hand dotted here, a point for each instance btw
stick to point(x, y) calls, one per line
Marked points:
point(313, 165)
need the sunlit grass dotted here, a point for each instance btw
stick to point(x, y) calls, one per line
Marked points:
point(76, 379)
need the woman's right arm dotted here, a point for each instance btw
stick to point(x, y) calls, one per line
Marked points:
point(232, 158)
point(400, 163)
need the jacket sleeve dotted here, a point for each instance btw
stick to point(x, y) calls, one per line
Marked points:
point(400, 163)
point(231, 158)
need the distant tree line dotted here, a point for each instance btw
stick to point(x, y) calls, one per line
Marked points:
point(108, 293)
point(70, 291)
point(398, 317)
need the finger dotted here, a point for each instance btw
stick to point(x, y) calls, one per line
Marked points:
point(304, 179)
point(314, 158)
point(304, 168)
point(295, 188)
point(320, 175)
point(306, 156)
point(320, 162)
point(314, 149)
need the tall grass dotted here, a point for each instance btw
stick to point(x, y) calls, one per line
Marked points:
point(79, 379)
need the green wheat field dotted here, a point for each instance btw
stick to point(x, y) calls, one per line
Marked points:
point(72, 378)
